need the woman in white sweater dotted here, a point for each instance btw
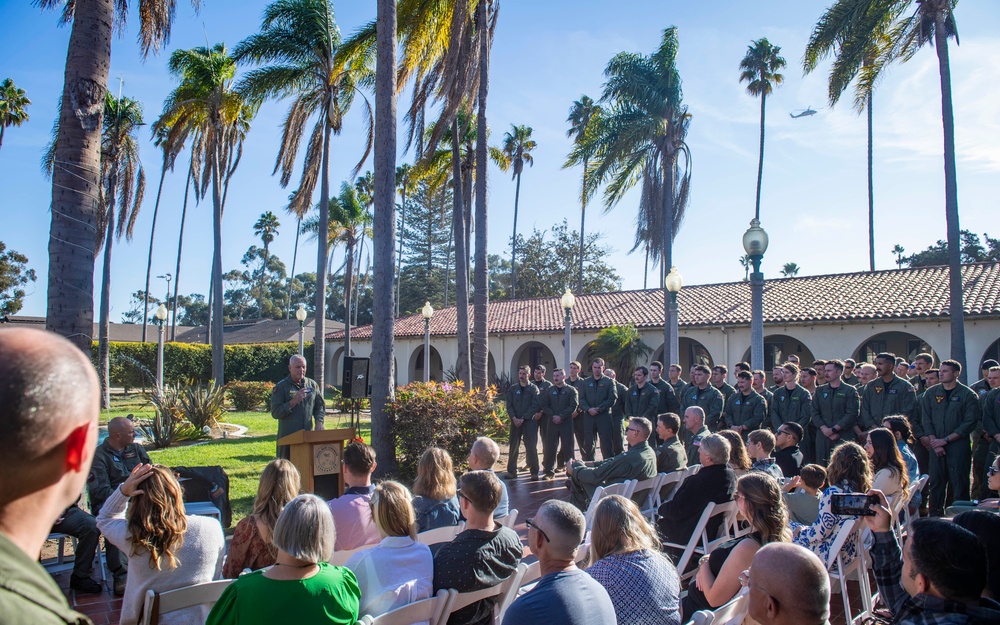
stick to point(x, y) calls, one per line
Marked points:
point(890, 475)
point(166, 549)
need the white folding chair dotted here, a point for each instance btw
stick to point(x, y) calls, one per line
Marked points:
point(203, 508)
point(341, 557)
point(702, 617)
point(699, 541)
point(530, 578)
point(511, 586)
point(652, 488)
point(840, 569)
point(508, 521)
point(915, 488)
point(625, 489)
point(430, 610)
point(160, 603)
point(440, 534)
point(733, 612)
point(464, 599)
point(688, 472)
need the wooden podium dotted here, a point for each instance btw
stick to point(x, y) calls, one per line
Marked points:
point(317, 455)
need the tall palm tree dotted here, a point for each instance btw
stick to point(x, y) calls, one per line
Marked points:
point(746, 262)
point(790, 270)
point(365, 186)
point(13, 105)
point(404, 178)
point(642, 138)
point(898, 250)
point(206, 102)
point(856, 55)
point(584, 118)
point(76, 180)
point(266, 228)
point(123, 184)
point(295, 52)
point(516, 150)
point(760, 70)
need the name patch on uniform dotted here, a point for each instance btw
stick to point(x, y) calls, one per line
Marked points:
point(893, 391)
point(956, 398)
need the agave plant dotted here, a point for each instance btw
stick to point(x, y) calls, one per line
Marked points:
point(203, 405)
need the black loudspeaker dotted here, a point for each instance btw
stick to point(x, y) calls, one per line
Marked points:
point(355, 385)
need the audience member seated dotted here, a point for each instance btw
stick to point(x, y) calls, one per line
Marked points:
point(849, 472)
point(986, 527)
point(82, 526)
point(990, 505)
point(166, 549)
point(788, 585)
point(399, 570)
point(758, 498)
point(251, 547)
point(352, 511)
point(302, 586)
point(48, 434)
point(625, 554)
point(670, 455)
point(564, 595)
point(941, 576)
point(786, 451)
point(483, 455)
point(759, 446)
point(695, 430)
point(638, 463)
point(802, 494)
point(435, 502)
point(482, 555)
point(715, 482)
point(899, 425)
point(888, 469)
point(739, 459)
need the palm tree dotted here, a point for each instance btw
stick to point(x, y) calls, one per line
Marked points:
point(13, 102)
point(123, 184)
point(584, 118)
point(266, 228)
point(295, 53)
point(790, 270)
point(759, 69)
point(70, 302)
point(404, 178)
point(206, 103)
point(622, 347)
point(642, 137)
point(516, 150)
point(855, 53)
point(898, 250)
point(746, 262)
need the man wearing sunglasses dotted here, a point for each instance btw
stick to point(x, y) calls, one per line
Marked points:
point(638, 463)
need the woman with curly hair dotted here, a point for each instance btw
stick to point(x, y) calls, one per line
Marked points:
point(849, 472)
point(758, 498)
point(166, 549)
point(435, 490)
point(739, 459)
point(251, 547)
point(890, 475)
point(626, 559)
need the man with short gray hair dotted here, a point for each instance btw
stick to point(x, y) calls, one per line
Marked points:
point(788, 586)
point(564, 594)
point(483, 455)
point(638, 463)
point(296, 402)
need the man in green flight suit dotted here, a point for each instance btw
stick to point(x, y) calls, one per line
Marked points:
point(849, 377)
point(980, 440)
point(990, 405)
point(296, 402)
point(668, 400)
point(641, 398)
point(577, 381)
point(886, 395)
point(791, 402)
point(702, 394)
point(719, 373)
point(598, 396)
point(694, 425)
point(835, 408)
point(559, 402)
point(638, 463)
point(522, 407)
point(949, 414)
point(674, 373)
point(618, 419)
point(745, 409)
point(538, 379)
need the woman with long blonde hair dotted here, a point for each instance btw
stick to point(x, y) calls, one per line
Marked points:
point(625, 558)
point(166, 548)
point(435, 490)
point(251, 547)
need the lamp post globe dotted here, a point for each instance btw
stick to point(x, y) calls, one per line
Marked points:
point(672, 282)
point(427, 311)
point(755, 242)
point(568, 300)
point(160, 315)
point(300, 314)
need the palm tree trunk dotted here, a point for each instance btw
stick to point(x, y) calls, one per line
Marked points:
point(513, 242)
point(322, 239)
point(357, 283)
point(583, 222)
point(383, 390)
point(399, 257)
point(76, 175)
point(348, 291)
point(260, 288)
point(149, 260)
point(871, 191)
point(463, 365)
point(180, 248)
point(291, 277)
point(104, 325)
point(645, 269)
point(666, 261)
point(447, 260)
point(760, 162)
point(481, 278)
point(218, 351)
point(956, 313)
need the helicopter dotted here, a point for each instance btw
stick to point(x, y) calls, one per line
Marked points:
point(804, 113)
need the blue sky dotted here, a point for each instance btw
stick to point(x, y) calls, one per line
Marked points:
point(547, 54)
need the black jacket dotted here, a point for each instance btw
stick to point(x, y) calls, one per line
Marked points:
point(679, 516)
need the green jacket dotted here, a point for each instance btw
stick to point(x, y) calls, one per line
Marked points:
point(990, 406)
point(110, 469)
point(560, 402)
point(667, 399)
point(522, 401)
point(982, 389)
point(292, 420)
point(693, 443)
point(28, 594)
point(852, 380)
point(710, 400)
point(880, 400)
point(642, 402)
point(638, 463)
point(670, 456)
point(727, 391)
point(796, 407)
point(541, 384)
point(679, 387)
point(768, 397)
point(748, 411)
point(599, 393)
point(941, 416)
point(618, 410)
point(836, 408)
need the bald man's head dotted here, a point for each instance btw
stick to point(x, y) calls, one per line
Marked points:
point(788, 584)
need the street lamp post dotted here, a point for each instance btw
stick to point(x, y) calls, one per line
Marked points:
point(568, 301)
point(673, 283)
point(161, 316)
point(427, 311)
point(755, 244)
point(168, 278)
point(300, 314)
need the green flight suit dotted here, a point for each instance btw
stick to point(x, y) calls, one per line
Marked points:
point(28, 594)
point(794, 405)
point(638, 463)
point(642, 402)
point(668, 400)
point(693, 443)
point(618, 419)
point(880, 399)
point(522, 403)
point(578, 420)
point(679, 387)
point(981, 444)
point(598, 394)
point(727, 391)
point(710, 400)
point(745, 410)
point(851, 380)
point(543, 423)
point(835, 408)
point(990, 405)
point(944, 414)
point(559, 402)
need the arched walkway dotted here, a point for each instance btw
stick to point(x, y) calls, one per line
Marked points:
point(692, 353)
point(992, 353)
point(336, 367)
point(533, 354)
point(417, 363)
point(778, 348)
point(903, 344)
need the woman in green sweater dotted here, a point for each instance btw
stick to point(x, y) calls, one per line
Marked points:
point(301, 587)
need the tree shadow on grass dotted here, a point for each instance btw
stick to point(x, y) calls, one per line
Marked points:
point(255, 458)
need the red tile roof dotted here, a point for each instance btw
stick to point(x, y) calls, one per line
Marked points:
point(892, 294)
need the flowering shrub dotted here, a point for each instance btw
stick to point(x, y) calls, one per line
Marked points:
point(442, 415)
point(246, 396)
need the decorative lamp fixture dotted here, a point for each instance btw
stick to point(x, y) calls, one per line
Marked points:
point(427, 311)
point(568, 300)
point(673, 282)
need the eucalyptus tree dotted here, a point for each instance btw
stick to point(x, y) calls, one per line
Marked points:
point(584, 120)
point(295, 54)
point(516, 152)
point(13, 106)
point(760, 69)
point(266, 228)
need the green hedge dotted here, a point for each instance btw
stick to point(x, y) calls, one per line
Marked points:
point(133, 365)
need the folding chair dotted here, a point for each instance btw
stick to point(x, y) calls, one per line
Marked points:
point(511, 587)
point(430, 610)
point(915, 488)
point(440, 534)
point(625, 489)
point(531, 576)
point(700, 537)
point(688, 472)
point(702, 617)
point(341, 557)
point(160, 603)
point(733, 612)
point(839, 569)
point(652, 488)
point(508, 521)
point(62, 564)
point(464, 599)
